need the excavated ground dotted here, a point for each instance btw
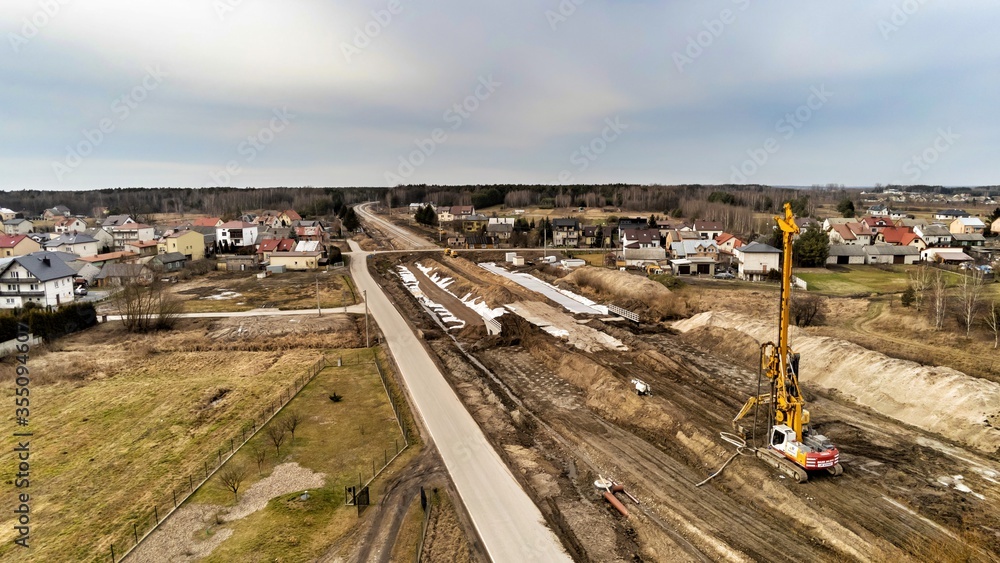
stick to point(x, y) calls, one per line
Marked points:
point(561, 417)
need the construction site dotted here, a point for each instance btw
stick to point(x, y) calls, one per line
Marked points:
point(623, 432)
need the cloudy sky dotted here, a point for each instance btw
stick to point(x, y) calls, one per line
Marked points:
point(109, 93)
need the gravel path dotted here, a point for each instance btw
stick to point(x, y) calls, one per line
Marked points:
point(175, 542)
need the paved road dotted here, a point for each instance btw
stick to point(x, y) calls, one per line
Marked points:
point(408, 238)
point(509, 524)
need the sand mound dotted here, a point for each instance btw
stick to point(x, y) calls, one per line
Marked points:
point(937, 399)
point(635, 293)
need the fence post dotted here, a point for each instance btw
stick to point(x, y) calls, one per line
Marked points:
point(232, 448)
point(135, 532)
point(174, 491)
point(156, 514)
point(191, 482)
point(112, 552)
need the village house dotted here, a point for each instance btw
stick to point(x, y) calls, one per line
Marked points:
point(502, 231)
point(444, 215)
point(270, 246)
point(708, 230)
point(756, 260)
point(694, 257)
point(967, 225)
point(566, 232)
point(212, 222)
point(41, 278)
point(116, 221)
point(596, 236)
point(296, 261)
point(168, 262)
point(474, 223)
point(81, 244)
point(236, 233)
point(105, 240)
point(950, 214)
point(131, 233)
point(143, 248)
point(933, 235)
point(19, 245)
point(55, 212)
point(115, 274)
point(69, 225)
point(17, 226)
point(189, 243)
point(7, 214)
point(640, 238)
point(310, 230)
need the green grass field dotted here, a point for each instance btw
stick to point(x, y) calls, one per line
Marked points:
point(862, 280)
point(340, 440)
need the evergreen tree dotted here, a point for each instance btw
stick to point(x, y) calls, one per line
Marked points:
point(846, 208)
point(812, 248)
point(351, 221)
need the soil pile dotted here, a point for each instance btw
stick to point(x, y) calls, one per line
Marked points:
point(630, 291)
point(936, 399)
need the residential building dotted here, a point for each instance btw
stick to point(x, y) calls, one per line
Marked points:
point(7, 214)
point(474, 223)
point(968, 240)
point(207, 222)
point(596, 236)
point(728, 243)
point(708, 230)
point(115, 274)
point(941, 255)
point(168, 262)
point(19, 245)
point(934, 234)
point(130, 233)
point(640, 238)
point(691, 257)
point(41, 278)
point(756, 260)
point(116, 221)
point(950, 214)
point(143, 248)
point(236, 233)
point(631, 223)
point(566, 232)
point(310, 230)
point(639, 257)
point(876, 224)
point(460, 211)
point(502, 231)
point(17, 226)
point(270, 246)
point(81, 244)
point(287, 217)
point(296, 260)
point(105, 240)
point(967, 225)
point(57, 211)
point(189, 243)
point(878, 210)
point(444, 215)
point(69, 225)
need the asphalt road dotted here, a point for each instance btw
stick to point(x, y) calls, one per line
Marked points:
point(509, 524)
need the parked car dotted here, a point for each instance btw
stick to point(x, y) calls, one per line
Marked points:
point(81, 290)
point(724, 276)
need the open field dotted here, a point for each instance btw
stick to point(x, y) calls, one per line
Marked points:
point(224, 291)
point(863, 280)
point(124, 421)
point(335, 442)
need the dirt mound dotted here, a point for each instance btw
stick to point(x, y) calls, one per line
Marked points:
point(630, 291)
point(936, 399)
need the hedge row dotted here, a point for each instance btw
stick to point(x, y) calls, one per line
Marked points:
point(49, 324)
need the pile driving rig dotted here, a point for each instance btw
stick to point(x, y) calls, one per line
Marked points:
point(791, 448)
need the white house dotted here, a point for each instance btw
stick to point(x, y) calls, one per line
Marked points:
point(756, 260)
point(14, 227)
point(82, 245)
point(131, 232)
point(40, 278)
point(236, 233)
point(69, 225)
point(950, 214)
point(640, 238)
point(933, 235)
point(708, 230)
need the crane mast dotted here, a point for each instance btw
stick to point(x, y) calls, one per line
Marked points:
point(791, 447)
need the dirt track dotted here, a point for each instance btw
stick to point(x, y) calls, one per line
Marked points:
point(562, 416)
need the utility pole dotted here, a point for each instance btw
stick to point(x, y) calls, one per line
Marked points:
point(365, 294)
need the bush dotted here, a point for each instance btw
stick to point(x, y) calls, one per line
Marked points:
point(909, 297)
point(49, 325)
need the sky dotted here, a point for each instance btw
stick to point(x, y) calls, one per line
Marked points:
point(196, 93)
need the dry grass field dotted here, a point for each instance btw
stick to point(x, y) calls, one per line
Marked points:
point(120, 420)
point(223, 291)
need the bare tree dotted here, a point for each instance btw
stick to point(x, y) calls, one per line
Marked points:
point(939, 299)
point(969, 292)
point(291, 421)
point(920, 280)
point(992, 318)
point(807, 309)
point(276, 433)
point(232, 478)
point(259, 455)
point(145, 307)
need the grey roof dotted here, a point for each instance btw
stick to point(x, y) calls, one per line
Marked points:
point(654, 253)
point(76, 238)
point(851, 250)
point(759, 248)
point(15, 221)
point(685, 247)
point(116, 270)
point(935, 231)
point(45, 266)
point(114, 220)
point(952, 213)
point(573, 223)
point(170, 257)
point(892, 250)
point(971, 237)
point(499, 228)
